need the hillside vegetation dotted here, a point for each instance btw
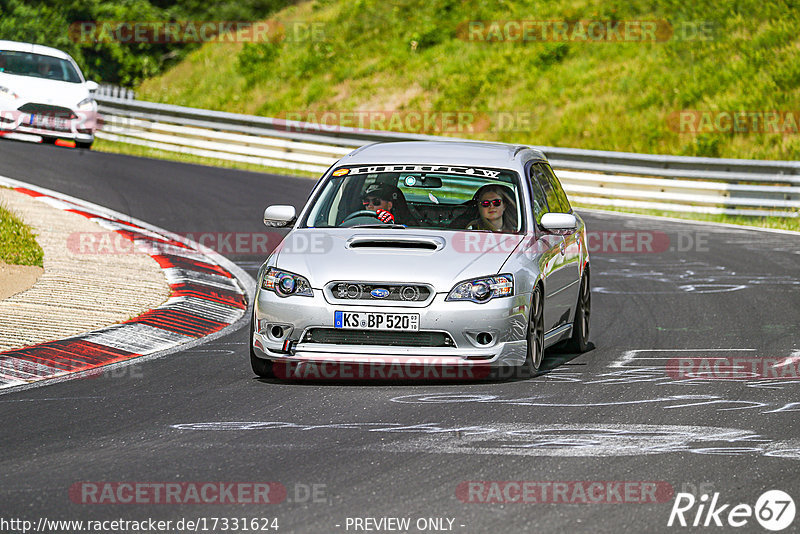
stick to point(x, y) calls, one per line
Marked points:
point(55, 23)
point(409, 56)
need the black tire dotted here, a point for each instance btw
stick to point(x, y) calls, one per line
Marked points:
point(535, 350)
point(86, 145)
point(261, 367)
point(583, 311)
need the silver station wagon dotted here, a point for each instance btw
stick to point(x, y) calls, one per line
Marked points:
point(438, 253)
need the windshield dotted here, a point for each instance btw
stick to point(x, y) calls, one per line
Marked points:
point(419, 196)
point(38, 66)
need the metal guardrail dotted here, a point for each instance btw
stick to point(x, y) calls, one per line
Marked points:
point(115, 91)
point(615, 179)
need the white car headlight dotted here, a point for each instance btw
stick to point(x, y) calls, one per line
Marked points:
point(87, 104)
point(8, 93)
point(483, 289)
point(284, 283)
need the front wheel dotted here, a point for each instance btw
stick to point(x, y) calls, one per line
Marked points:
point(260, 366)
point(580, 325)
point(535, 353)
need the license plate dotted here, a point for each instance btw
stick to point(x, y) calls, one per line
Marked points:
point(376, 321)
point(49, 122)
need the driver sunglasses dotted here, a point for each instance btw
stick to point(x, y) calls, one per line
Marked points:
point(493, 202)
point(374, 201)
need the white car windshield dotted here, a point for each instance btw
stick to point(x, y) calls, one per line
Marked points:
point(420, 196)
point(38, 66)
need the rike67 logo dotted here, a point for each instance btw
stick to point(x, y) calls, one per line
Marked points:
point(774, 510)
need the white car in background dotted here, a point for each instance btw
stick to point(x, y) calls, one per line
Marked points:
point(44, 93)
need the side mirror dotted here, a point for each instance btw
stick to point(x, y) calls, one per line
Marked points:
point(559, 223)
point(92, 86)
point(279, 216)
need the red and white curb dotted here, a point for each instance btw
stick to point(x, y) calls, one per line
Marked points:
point(208, 298)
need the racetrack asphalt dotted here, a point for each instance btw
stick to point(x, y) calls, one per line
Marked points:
point(402, 449)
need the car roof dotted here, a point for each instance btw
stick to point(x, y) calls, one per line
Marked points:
point(474, 153)
point(17, 46)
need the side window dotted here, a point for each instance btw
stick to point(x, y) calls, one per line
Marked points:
point(538, 200)
point(556, 197)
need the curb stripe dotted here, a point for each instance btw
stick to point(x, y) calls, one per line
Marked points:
point(205, 297)
point(220, 296)
point(179, 262)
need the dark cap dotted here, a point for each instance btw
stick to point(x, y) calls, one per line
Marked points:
point(382, 191)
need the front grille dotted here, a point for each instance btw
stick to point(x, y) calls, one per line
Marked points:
point(46, 109)
point(337, 336)
point(373, 292)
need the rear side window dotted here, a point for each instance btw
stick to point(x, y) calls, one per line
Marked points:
point(556, 197)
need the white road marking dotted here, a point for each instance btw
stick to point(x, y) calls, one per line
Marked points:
point(520, 439)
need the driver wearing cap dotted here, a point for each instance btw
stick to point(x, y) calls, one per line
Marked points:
point(381, 198)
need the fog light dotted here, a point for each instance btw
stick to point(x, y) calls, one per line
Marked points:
point(276, 331)
point(484, 338)
point(409, 293)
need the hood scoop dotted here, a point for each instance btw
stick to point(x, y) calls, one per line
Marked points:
point(406, 242)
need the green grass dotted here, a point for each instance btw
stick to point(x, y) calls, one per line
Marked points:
point(18, 244)
point(409, 55)
point(103, 145)
point(778, 223)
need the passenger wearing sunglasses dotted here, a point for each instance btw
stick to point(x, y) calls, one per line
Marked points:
point(496, 210)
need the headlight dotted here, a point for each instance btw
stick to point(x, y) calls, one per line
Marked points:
point(8, 93)
point(87, 104)
point(483, 289)
point(284, 283)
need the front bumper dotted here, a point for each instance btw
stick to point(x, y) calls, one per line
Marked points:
point(81, 128)
point(504, 318)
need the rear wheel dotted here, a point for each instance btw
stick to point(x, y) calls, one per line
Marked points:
point(261, 367)
point(580, 325)
point(535, 353)
point(86, 145)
